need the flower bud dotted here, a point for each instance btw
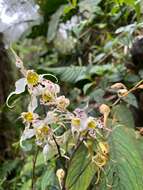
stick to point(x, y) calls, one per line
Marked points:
point(118, 85)
point(60, 174)
point(122, 92)
point(105, 110)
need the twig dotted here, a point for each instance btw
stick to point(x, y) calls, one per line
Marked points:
point(58, 147)
point(33, 169)
point(116, 102)
point(132, 89)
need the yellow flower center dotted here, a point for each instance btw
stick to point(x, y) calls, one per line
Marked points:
point(91, 124)
point(75, 122)
point(27, 116)
point(42, 132)
point(62, 103)
point(47, 97)
point(32, 78)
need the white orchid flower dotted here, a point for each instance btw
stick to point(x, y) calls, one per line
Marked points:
point(79, 123)
point(49, 93)
point(46, 150)
point(27, 134)
point(79, 127)
point(42, 128)
point(80, 113)
point(62, 102)
point(51, 117)
point(34, 82)
point(29, 117)
point(91, 123)
point(43, 134)
point(83, 124)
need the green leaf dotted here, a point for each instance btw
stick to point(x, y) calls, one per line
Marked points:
point(88, 86)
point(53, 24)
point(26, 185)
point(68, 8)
point(139, 138)
point(68, 74)
point(126, 29)
point(123, 115)
point(49, 179)
point(27, 169)
point(132, 78)
point(90, 6)
point(26, 145)
point(81, 171)
point(101, 69)
point(74, 3)
point(97, 95)
point(124, 171)
point(7, 167)
point(131, 100)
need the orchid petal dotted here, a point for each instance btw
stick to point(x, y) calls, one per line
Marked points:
point(49, 75)
point(7, 100)
point(27, 134)
point(46, 151)
point(19, 88)
point(33, 104)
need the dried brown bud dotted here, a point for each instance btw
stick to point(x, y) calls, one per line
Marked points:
point(118, 86)
point(105, 110)
point(140, 86)
point(122, 92)
point(60, 174)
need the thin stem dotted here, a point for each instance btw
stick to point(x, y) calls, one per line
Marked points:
point(33, 169)
point(58, 147)
point(116, 102)
point(132, 89)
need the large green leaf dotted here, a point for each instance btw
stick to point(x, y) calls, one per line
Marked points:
point(125, 168)
point(131, 100)
point(81, 171)
point(97, 95)
point(7, 167)
point(123, 115)
point(74, 74)
point(49, 179)
point(68, 74)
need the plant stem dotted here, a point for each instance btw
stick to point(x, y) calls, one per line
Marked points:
point(33, 169)
point(58, 147)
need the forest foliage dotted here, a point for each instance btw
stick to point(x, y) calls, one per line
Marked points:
point(83, 48)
